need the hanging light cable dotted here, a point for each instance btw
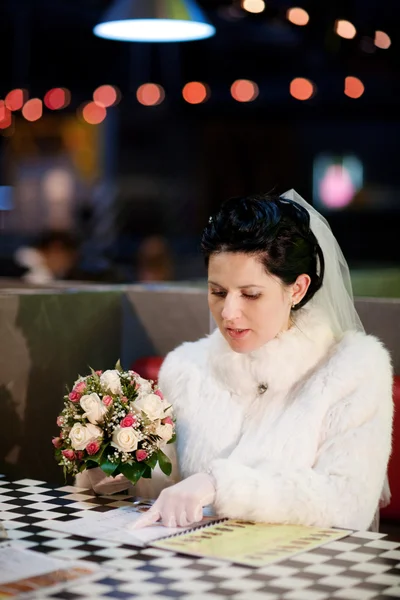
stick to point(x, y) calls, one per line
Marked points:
point(154, 21)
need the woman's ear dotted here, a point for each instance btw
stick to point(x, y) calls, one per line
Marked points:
point(299, 288)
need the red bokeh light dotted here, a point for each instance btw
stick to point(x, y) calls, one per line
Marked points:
point(302, 89)
point(353, 87)
point(15, 99)
point(150, 94)
point(93, 113)
point(5, 116)
point(33, 109)
point(244, 90)
point(106, 96)
point(57, 98)
point(195, 92)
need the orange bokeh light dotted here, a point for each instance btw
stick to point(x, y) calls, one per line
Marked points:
point(353, 87)
point(150, 94)
point(302, 89)
point(33, 109)
point(15, 99)
point(5, 116)
point(382, 40)
point(57, 98)
point(345, 29)
point(297, 16)
point(195, 92)
point(106, 96)
point(93, 113)
point(244, 90)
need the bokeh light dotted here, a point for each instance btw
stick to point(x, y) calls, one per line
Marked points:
point(15, 99)
point(297, 16)
point(253, 6)
point(33, 109)
point(106, 96)
point(382, 40)
point(195, 92)
point(345, 29)
point(244, 90)
point(57, 98)
point(93, 113)
point(150, 94)
point(302, 89)
point(5, 116)
point(336, 189)
point(353, 87)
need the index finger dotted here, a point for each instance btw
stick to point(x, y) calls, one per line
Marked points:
point(152, 516)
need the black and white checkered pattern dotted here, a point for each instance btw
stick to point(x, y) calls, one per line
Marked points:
point(362, 566)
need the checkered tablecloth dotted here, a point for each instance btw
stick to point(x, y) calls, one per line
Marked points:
point(362, 566)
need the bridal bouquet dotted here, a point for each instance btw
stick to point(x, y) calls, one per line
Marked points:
point(117, 421)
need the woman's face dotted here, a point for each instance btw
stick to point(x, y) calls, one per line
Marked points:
point(249, 306)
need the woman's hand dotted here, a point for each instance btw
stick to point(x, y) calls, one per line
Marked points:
point(181, 504)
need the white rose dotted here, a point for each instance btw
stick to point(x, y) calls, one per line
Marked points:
point(125, 439)
point(111, 381)
point(93, 407)
point(80, 435)
point(145, 386)
point(165, 431)
point(151, 405)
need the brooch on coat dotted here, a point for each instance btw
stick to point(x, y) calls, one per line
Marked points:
point(262, 388)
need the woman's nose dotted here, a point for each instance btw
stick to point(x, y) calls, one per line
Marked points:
point(231, 309)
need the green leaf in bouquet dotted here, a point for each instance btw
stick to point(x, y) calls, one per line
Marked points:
point(107, 466)
point(94, 374)
point(164, 462)
point(118, 366)
point(147, 473)
point(152, 461)
point(172, 440)
point(132, 471)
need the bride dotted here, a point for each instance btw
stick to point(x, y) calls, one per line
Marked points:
point(284, 412)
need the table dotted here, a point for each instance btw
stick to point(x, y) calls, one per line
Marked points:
point(363, 566)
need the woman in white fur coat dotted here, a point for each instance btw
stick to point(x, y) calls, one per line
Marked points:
point(283, 415)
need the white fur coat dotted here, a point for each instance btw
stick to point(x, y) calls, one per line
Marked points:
point(312, 449)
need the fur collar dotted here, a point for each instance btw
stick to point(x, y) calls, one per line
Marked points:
point(280, 363)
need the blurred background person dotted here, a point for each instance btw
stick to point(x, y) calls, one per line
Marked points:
point(154, 260)
point(51, 258)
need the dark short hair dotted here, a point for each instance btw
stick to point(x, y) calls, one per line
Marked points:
point(273, 229)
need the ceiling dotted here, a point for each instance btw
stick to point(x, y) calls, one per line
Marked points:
point(48, 43)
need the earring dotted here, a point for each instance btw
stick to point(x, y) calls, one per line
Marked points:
point(293, 305)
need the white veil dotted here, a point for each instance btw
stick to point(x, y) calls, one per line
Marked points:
point(335, 297)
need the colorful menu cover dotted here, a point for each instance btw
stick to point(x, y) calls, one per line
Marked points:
point(251, 544)
point(23, 571)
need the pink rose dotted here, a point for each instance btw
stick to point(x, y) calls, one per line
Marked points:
point(167, 421)
point(124, 399)
point(107, 400)
point(92, 448)
point(70, 454)
point(137, 385)
point(99, 373)
point(141, 455)
point(128, 421)
point(60, 421)
point(57, 442)
point(80, 387)
point(159, 393)
point(79, 454)
point(74, 396)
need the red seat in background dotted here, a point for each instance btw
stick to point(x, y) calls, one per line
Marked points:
point(148, 367)
point(393, 510)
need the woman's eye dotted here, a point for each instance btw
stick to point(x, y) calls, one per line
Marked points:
point(251, 296)
point(219, 294)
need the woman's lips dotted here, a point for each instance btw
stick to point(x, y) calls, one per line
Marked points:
point(237, 334)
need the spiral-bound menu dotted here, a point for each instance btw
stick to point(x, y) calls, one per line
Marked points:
point(251, 544)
